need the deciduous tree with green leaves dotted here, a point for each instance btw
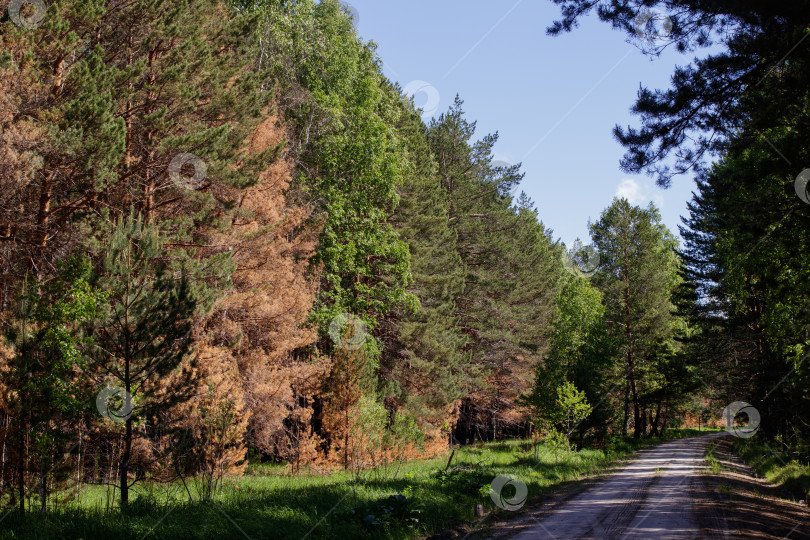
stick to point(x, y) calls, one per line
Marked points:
point(581, 351)
point(48, 376)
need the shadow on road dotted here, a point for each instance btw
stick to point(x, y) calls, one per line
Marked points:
point(738, 505)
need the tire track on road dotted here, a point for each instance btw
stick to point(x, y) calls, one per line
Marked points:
point(648, 498)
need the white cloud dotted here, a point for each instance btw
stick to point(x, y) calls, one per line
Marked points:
point(630, 190)
point(638, 193)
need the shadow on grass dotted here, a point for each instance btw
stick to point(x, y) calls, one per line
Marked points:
point(351, 509)
point(323, 507)
point(320, 511)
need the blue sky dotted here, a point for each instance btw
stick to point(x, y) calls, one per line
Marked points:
point(554, 100)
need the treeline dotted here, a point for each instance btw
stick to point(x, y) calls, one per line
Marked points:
point(747, 236)
point(222, 229)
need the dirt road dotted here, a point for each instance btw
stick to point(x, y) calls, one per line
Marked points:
point(665, 493)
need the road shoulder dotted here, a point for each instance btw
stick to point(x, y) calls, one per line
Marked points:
point(733, 503)
point(503, 524)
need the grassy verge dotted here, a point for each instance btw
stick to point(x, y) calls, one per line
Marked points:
point(415, 499)
point(714, 464)
point(776, 465)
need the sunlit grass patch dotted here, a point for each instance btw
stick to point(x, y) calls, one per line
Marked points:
point(714, 464)
point(410, 500)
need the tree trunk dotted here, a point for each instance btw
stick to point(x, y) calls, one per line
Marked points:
point(21, 472)
point(79, 465)
point(631, 368)
point(42, 474)
point(123, 471)
point(637, 421)
point(626, 410)
point(654, 430)
point(346, 443)
point(43, 215)
point(127, 452)
point(3, 459)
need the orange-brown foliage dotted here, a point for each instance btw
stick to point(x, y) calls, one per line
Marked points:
point(261, 322)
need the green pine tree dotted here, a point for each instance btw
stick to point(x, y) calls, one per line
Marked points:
point(638, 275)
point(424, 365)
point(511, 274)
point(145, 332)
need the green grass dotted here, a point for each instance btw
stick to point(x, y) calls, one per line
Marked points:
point(778, 467)
point(417, 499)
point(715, 465)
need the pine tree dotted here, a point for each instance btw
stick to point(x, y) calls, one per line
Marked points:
point(511, 280)
point(341, 114)
point(424, 366)
point(100, 100)
point(259, 326)
point(637, 275)
point(126, 89)
point(712, 97)
point(145, 333)
point(340, 111)
point(746, 259)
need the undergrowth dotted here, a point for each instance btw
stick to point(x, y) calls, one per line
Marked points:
point(417, 498)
